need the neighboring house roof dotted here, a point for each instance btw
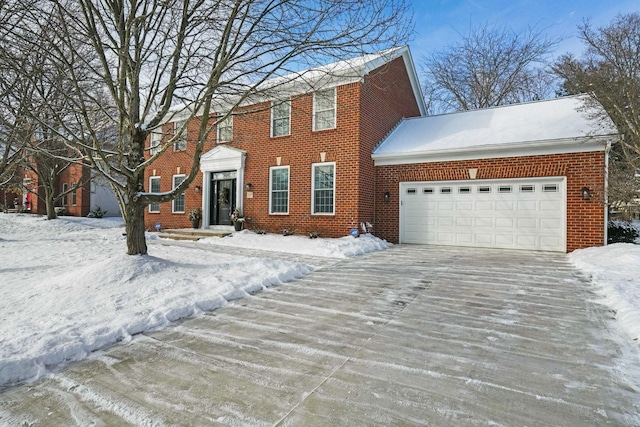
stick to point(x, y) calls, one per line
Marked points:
point(542, 127)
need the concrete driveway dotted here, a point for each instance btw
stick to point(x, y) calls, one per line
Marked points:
point(414, 335)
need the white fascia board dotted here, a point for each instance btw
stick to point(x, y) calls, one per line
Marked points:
point(539, 148)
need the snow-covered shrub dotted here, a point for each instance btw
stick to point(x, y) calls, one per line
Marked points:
point(622, 232)
point(96, 213)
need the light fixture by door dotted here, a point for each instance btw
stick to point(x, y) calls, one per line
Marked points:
point(586, 193)
point(387, 196)
point(197, 189)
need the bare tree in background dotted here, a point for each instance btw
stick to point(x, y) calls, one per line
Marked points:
point(13, 109)
point(610, 72)
point(488, 67)
point(128, 65)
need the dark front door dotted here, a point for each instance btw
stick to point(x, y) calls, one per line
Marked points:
point(223, 200)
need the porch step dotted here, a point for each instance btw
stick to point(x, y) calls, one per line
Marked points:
point(191, 234)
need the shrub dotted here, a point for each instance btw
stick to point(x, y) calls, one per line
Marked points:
point(621, 232)
point(96, 213)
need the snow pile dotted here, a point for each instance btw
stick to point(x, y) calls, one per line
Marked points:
point(614, 270)
point(343, 247)
point(67, 287)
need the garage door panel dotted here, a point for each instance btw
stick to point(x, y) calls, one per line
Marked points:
point(510, 213)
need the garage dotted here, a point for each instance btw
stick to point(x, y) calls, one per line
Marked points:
point(529, 176)
point(524, 213)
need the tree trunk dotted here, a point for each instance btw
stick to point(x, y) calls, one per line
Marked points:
point(134, 226)
point(49, 203)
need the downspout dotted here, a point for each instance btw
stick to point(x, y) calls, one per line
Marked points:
point(606, 192)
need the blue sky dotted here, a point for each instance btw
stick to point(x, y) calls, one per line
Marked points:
point(440, 22)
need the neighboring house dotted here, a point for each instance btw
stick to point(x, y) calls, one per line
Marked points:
point(352, 148)
point(525, 176)
point(84, 193)
point(300, 162)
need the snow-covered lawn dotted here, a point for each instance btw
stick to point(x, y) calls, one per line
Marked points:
point(615, 271)
point(67, 287)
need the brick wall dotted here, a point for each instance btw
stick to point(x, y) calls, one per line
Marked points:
point(366, 111)
point(585, 219)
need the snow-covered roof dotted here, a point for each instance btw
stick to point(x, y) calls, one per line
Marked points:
point(542, 127)
point(335, 74)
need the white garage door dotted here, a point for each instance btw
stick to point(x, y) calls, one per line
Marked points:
point(508, 213)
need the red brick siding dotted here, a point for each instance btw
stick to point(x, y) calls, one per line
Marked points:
point(365, 113)
point(585, 219)
point(76, 174)
point(386, 98)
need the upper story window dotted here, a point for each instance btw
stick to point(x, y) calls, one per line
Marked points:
point(154, 187)
point(281, 118)
point(154, 142)
point(180, 135)
point(324, 109)
point(225, 129)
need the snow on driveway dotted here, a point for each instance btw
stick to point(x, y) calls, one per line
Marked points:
point(67, 287)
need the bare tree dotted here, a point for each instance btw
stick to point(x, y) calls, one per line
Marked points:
point(490, 66)
point(131, 64)
point(610, 72)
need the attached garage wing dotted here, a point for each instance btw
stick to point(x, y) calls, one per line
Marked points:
point(527, 213)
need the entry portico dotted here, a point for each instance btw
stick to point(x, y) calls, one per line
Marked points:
point(223, 181)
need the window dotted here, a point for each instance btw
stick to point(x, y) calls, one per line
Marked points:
point(65, 187)
point(74, 194)
point(464, 190)
point(411, 191)
point(324, 109)
point(178, 202)
point(279, 193)
point(281, 118)
point(225, 129)
point(180, 141)
point(427, 190)
point(527, 188)
point(154, 187)
point(484, 189)
point(445, 190)
point(323, 189)
point(504, 189)
point(550, 188)
point(154, 142)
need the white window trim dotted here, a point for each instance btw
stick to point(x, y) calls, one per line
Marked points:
point(155, 139)
point(313, 189)
point(335, 110)
point(173, 185)
point(271, 169)
point(182, 138)
point(74, 194)
point(151, 178)
point(273, 105)
point(65, 188)
point(218, 127)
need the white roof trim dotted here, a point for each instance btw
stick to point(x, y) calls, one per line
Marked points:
point(531, 148)
point(222, 158)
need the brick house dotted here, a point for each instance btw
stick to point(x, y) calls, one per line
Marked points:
point(87, 191)
point(302, 162)
point(524, 176)
point(349, 144)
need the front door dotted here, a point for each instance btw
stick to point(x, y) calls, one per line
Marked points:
point(223, 198)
